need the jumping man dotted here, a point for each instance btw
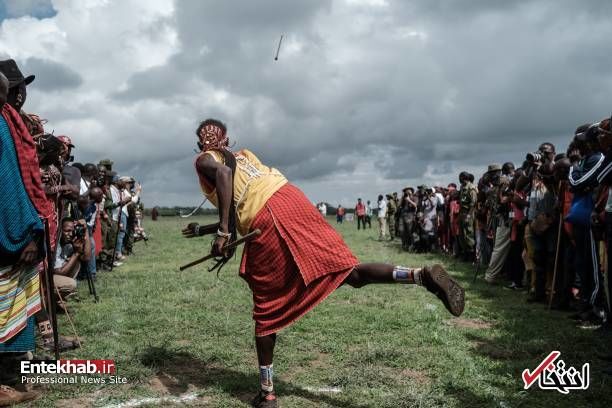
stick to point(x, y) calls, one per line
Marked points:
point(298, 259)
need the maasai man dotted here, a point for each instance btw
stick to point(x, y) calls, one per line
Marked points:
point(298, 259)
point(21, 238)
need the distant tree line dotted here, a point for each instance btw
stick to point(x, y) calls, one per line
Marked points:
point(175, 211)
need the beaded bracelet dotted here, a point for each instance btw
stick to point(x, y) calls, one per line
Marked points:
point(223, 234)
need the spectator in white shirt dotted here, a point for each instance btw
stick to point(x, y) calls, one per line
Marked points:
point(382, 217)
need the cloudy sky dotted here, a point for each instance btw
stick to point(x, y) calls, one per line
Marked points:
point(367, 96)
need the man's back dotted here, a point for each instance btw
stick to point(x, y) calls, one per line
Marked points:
point(254, 184)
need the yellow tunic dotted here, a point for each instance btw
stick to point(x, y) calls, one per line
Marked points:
point(254, 184)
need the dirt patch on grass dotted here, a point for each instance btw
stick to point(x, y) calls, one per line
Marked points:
point(492, 350)
point(82, 402)
point(320, 360)
point(469, 323)
point(317, 361)
point(417, 376)
point(164, 384)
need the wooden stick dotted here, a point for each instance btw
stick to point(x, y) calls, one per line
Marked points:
point(59, 296)
point(278, 49)
point(251, 235)
point(552, 285)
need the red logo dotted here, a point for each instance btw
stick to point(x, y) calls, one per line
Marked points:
point(551, 374)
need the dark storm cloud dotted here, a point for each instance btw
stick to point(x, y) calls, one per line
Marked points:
point(486, 81)
point(413, 90)
point(52, 76)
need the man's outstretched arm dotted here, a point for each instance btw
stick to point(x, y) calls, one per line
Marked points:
point(220, 176)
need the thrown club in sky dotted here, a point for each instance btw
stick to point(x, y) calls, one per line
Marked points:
point(278, 49)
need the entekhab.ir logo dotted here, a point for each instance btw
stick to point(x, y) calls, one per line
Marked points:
point(553, 374)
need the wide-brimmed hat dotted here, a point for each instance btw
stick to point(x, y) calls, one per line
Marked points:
point(11, 71)
point(494, 167)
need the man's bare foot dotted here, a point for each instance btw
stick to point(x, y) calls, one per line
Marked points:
point(10, 396)
point(264, 400)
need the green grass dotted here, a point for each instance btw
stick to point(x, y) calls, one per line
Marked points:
point(174, 332)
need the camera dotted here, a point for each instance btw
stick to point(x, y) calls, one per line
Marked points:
point(534, 157)
point(79, 231)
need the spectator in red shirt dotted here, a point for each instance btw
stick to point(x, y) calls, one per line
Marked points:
point(340, 214)
point(360, 211)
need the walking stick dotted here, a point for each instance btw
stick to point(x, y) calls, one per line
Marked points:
point(478, 257)
point(92, 286)
point(251, 235)
point(554, 279)
point(194, 210)
point(50, 292)
point(116, 235)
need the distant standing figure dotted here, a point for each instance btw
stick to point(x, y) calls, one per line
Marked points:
point(382, 217)
point(360, 212)
point(322, 209)
point(340, 214)
point(368, 215)
point(154, 214)
point(391, 210)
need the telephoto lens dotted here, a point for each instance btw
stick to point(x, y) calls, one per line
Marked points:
point(534, 157)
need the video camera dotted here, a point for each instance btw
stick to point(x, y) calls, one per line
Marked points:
point(79, 231)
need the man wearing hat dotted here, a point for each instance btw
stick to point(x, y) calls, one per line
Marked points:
point(468, 196)
point(498, 222)
point(22, 202)
point(107, 164)
point(131, 197)
point(17, 83)
point(391, 210)
point(112, 202)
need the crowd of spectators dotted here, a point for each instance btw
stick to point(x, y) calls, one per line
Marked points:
point(61, 221)
point(544, 227)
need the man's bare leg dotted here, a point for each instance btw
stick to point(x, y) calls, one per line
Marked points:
point(265, 354)
point(433, 278)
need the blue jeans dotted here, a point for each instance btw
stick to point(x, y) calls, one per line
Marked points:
point(123, 221)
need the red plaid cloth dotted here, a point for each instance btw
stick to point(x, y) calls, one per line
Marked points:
point(296, 262)
point(28, 161)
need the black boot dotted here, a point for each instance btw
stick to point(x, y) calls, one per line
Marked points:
point(437, 281)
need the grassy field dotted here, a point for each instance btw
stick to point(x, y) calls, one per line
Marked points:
point(188, 337)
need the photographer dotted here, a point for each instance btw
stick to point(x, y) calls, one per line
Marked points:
point(74, 248)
